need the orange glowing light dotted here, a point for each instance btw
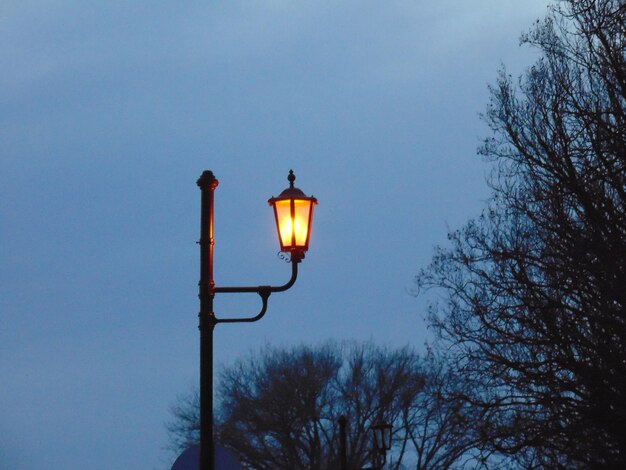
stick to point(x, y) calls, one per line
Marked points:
point(294, 213)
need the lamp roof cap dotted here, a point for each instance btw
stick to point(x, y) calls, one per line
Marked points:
point(292, 192)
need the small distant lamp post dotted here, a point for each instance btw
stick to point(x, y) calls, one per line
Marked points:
point(382, 444)
point(294, 212)
point(382, 440)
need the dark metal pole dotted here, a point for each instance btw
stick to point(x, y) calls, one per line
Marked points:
point(342, 443)
point(207, 183)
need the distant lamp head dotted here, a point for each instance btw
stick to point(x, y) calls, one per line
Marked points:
point(382, 437)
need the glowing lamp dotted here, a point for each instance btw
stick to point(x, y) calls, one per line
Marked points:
point(294, 212)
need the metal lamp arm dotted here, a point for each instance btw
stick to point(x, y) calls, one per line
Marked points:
point(263, 291)
point(257, 289)
point(291, 282)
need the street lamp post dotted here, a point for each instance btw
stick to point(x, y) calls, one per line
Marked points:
point(382, 440)
point(293, 211)
point(382, 433)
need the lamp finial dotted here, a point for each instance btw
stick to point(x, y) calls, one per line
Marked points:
point(207, 180)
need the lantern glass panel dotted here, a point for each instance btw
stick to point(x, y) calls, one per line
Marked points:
point(301, 221)
point(293, 231)
point(387, 437)
point(378, 438)
point(283, 219)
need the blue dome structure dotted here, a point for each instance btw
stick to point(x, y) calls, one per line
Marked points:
point(225, 459)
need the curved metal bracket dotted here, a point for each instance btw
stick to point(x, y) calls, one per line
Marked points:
point(284, 287)
point(263, 291)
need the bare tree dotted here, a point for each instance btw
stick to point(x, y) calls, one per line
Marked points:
point(184, 428)
point(279, 408)
point(438, 424)
point(535, 305)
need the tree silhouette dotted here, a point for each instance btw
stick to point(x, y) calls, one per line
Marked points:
point(535, 288)
point(280, 408)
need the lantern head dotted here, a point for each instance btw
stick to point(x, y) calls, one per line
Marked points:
point(382, 437)
point(294, 212)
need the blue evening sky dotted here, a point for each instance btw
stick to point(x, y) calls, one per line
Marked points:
point(109, 111)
